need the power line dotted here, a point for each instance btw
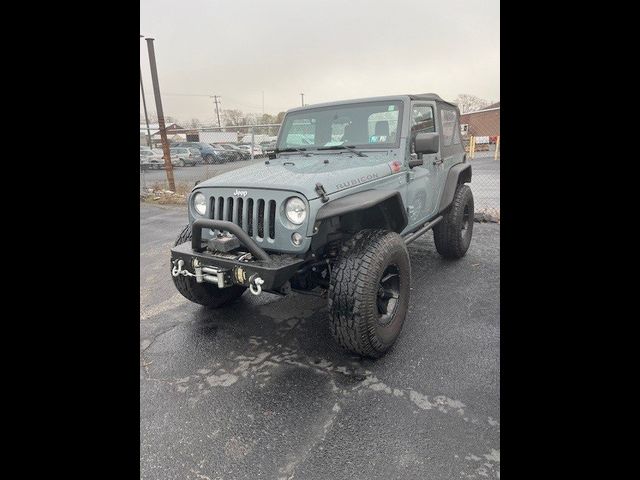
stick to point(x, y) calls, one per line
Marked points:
point(229, 99)
point(185, 95)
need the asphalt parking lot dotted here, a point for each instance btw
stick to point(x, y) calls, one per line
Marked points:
point(260, 390)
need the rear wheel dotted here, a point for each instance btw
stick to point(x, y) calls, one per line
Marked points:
point(452, 235)
point(181, 163)
point(369, 292)
point(206, 294)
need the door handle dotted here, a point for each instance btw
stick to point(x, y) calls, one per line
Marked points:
point(437, 162)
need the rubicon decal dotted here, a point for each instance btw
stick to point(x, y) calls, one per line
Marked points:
point(357, 181)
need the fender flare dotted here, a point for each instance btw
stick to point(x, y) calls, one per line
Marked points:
point(385, 203)
point(458, 174)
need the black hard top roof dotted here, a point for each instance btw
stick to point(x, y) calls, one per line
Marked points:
point(430, 96)
point(420, 96)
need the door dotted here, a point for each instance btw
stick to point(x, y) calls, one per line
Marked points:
point(424, 181)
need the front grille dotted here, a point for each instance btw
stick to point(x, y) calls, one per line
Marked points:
point(257, 217)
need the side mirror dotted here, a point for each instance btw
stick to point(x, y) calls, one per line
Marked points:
point(427, 142)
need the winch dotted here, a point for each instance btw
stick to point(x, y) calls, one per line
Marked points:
point(220, 277)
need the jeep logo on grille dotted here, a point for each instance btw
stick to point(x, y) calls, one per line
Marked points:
point(240, 193)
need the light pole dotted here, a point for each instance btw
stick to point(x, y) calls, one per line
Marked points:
point(302, 95)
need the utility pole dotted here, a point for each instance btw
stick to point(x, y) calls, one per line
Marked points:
point(263, 103)
point(163, 131)
point(144, 104)
point(215, 99)
point(302, 95)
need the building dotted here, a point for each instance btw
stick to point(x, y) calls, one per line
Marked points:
point(175, 133)
point(483, 123)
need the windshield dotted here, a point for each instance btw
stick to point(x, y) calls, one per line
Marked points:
point(363, 125)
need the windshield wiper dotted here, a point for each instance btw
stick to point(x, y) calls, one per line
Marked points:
point(343, 147)
point(291, 149)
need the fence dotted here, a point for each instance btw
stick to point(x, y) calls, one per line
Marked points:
point(484, 155)
point(483, 152)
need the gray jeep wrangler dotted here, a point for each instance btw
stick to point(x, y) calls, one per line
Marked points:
point(331, 212)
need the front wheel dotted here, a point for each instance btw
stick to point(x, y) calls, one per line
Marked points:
point(369, 292)
point(206, 294)
point(452, 235)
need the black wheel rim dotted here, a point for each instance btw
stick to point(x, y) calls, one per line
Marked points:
point(388, 294)
point(466, 218)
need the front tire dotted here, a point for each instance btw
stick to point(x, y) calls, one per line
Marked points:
point(369, 292)
point(452, 235)
point(205, 294)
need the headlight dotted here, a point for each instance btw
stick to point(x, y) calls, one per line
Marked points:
point(200, 203)
point(295, 210)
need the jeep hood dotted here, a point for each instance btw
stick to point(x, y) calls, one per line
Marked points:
point(300, 174)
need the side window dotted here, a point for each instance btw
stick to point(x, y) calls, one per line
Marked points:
point(450, 127)
point(422, 119)
point(302, 133)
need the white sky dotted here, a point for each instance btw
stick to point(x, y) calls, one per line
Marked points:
point(328, 49)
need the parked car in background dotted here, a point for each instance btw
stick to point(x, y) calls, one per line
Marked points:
point(150, 160)
point(224, 155)
point(241, 154)
point(208, 153)
point(257, 150)
point(181, 157)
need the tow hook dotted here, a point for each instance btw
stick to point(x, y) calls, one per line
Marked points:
point(202, 273)
point(255, 284)
point(177, 269)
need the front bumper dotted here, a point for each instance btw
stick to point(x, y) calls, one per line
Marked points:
point(241, 267)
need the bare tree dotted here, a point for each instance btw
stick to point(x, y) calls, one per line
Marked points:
point(470, 103)
point(153, 118)
point(194, 123)
point(266, 119)
point(233, 117)
point(251, 119)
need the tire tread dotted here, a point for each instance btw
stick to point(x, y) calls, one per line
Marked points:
point(349, 323)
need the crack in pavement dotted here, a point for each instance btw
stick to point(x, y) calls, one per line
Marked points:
point(144, 362)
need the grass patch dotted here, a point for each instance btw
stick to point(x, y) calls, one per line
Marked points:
point(159, 193)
